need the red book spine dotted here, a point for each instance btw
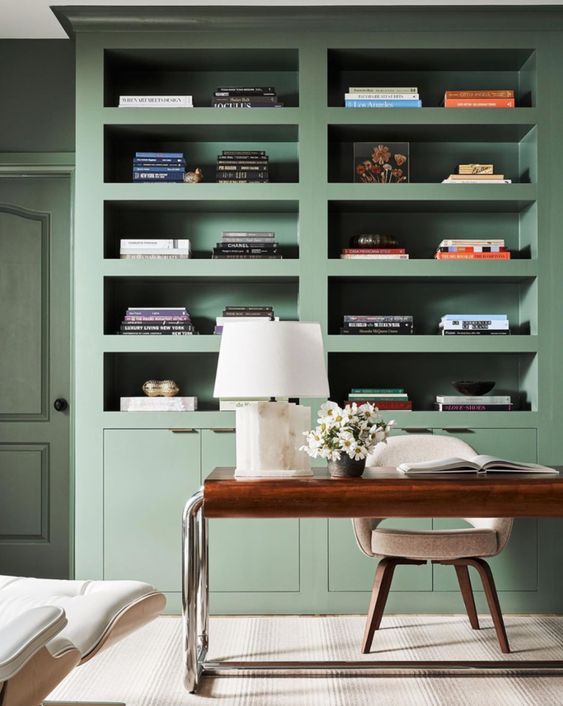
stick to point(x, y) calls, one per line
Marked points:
point(479, 103)
point(480, 94)
point(384, 404)
point(472, 256)
point(373, 251)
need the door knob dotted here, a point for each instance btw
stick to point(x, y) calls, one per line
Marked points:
point(60, 404)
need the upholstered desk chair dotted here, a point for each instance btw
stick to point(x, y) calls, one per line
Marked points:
point(461, 548)
point(49, 626)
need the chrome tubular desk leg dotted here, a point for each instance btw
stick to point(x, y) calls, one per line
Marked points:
point(203, 588)
point(190, 588)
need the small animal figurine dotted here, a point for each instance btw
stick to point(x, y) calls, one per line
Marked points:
point(193, 177)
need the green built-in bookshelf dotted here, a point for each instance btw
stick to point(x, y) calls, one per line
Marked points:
point(134, 471)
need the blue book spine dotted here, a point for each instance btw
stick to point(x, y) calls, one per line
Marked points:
point(157, 176)
point(475, 317)
point(155, 168)
point(159, 155)
point(383, 104)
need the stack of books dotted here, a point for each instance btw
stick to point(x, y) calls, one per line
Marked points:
point(244, 314)
point(159, 166)
point(482, 403)
point(247, 245)
point(242, 167)
point(155, 102)
point(476, 174)
point(472, 249)
point(381, 97)
point(479, 99)
point(374, 254)
point(157, 249)
point(245, 97)
point(154, 321)
point(384, 398)
point(377, 324)
point(158, 404)
point(474, 325)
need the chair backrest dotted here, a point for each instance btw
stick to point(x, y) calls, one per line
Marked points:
point(423, 447)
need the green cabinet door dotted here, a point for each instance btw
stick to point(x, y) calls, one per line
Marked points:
point(247, 555)
point(351, 570)
point(148, 476)
point(516, 568)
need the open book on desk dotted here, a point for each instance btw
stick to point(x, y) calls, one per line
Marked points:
point(477, 464)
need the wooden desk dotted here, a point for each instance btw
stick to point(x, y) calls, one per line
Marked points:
point(382, 492)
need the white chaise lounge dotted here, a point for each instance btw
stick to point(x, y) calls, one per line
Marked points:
point(47, 627)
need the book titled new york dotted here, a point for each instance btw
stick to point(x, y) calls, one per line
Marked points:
point(480, 463)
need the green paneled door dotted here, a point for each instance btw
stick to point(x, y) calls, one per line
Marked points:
point(34, 371)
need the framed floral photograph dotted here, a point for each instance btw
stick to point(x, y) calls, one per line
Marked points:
point(381, 162)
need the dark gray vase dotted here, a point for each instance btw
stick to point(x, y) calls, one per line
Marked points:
point(346, 467)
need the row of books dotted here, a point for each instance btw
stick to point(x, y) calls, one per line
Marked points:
point(476, 174)
point(474, 325)
point(382, 97)
point(157, 321)
point(354, 324)
point(242, 167)
point(247, 245)
point(158, 404)
point(244, 314)
point(480, 403)
point(159, 166)
point(472, 249)
point(384, 398)
point(245, 97)
point(154, 249)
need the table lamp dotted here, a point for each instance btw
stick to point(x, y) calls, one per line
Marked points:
point(271, 359)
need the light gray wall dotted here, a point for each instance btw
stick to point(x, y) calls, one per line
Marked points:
point(36, 95)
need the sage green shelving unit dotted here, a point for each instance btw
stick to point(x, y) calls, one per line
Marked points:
point(134, 471)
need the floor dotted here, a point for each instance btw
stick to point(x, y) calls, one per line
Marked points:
point(146, 668)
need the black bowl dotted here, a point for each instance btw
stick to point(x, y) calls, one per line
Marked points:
point(473, 387)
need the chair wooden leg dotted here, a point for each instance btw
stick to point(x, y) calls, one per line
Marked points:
point(379, 594)
point(492, 599)
point(467, 594)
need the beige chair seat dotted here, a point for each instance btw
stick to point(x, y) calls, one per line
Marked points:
point(434, 544)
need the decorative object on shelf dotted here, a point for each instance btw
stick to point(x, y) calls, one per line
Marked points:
point(474, 325)
point(381, 162)
point(155, 102)
point(160, 388)
point(464, 176)
point(476, 169)
point(245, 97)
point(373, 247)
point(242, 167)
point(166, 321)
point(373, 240)
point(346, 436)
point(159, 166)
point(193, 177)
point(472, 249)
point(383, 398)
point(271, 359)
point(244, 314)
point(474, 388)
point(381, 97)
point(357, 324)
point(158, 404)
point(479, 99)
point(154, 249)
point(247, 245)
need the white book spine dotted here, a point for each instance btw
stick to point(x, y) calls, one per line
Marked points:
point(156, 243)
point(381, 96)
point(474, 181)
point(455, 399)
point(155, 102)
point(156, 251)
point(383, 89)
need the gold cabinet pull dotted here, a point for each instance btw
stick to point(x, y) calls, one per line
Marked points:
point(224, 430)
point(183, 431)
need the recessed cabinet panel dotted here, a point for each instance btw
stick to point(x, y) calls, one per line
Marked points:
point(248, 555)
point(148, 476)
point(516, 567)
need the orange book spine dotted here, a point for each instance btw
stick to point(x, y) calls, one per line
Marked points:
point(472, 256)
point(479, 94)
point(479, 103)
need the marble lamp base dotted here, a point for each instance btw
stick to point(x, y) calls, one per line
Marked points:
point(268, 438)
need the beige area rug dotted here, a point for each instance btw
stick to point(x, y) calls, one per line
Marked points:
point(146, 668)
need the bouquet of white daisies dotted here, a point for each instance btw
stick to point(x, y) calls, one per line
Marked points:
point(354, 430)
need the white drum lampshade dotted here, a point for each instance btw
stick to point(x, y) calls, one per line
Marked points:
point(271, 359)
